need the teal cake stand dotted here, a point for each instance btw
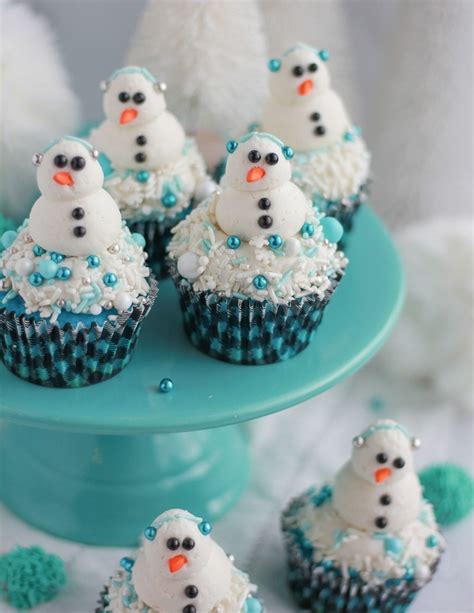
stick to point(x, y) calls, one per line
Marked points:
point(97, 464)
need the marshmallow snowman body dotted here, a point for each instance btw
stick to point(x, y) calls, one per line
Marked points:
point(74, 216)
point(138, 132)
point(257, 195)
point(303, 110)
point(378, 489)
point(181, 566)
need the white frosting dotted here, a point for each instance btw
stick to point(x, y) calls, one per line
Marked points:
point(237, 211)
point(66, 191)
point(302, 266)
point(335, 172)
point(378, 483)
point(161, 574)
point(127, 121)
point(85, 291)
point(182, 178)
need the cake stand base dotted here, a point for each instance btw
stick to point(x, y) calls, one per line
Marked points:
point(99, 489)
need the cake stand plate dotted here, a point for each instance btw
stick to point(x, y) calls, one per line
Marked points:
point(96, 464)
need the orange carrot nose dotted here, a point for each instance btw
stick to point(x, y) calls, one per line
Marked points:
point(128, 115)
point(255, 174)
point(63, 178)
point(382, 474)
point(305, 87)
point(176, 563)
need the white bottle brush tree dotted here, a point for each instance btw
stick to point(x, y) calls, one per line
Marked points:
point(212, 56)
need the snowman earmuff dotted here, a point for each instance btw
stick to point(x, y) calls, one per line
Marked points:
point(159, 86)
point(38, 157)
point(204, 527)
point(359, 441)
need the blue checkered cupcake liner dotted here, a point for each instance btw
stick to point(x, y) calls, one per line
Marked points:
point(69, 355)
point(247, 331)
point(321, 586)
point(157, 235)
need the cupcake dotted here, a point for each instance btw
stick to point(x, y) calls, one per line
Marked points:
point(331, 162)
point(369, 542)
point(255, 265)
point(74, 284)
point(179, 568)
point(155, 173)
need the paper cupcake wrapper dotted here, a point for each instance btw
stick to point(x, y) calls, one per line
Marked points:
point(320, 586)
point(103, 604)
point(70, 356)
point(343, 210)
point(157, 235)
point(247, 331)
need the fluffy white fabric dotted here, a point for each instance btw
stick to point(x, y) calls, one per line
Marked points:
point(433, 341)
point(37, 104)
point(208, 52)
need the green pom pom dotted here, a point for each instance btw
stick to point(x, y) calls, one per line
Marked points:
point(29, 576)
point(450, 489)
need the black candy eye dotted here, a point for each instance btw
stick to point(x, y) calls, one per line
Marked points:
point(271, 158)
point(298, 71)
point(173, 544)
point(254, 156)
point(313, 67)
point(139, 98)
point(381, 458)
point(60, 161)
point(78, 162)
point(399, 462)
point(188, 543)
point(124, 97)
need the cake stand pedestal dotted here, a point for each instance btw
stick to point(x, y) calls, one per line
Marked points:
point(97, 464)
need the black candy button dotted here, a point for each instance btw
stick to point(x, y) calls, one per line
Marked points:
point(264, 204)
point(79, 231)
point(78, 212)
point(385, 499)
point(191, 591)
point(140, 157)
point(265, 222)
point(320, 131)
point(141, 140)
point(315, 116)
point(189, 608)
point(381, 522)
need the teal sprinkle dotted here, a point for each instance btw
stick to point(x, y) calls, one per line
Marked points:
point(284, 277)
point(8, 238)
point(240, 260)
point(206, 245)
point(310, 252)
point(9, 296)
point(29, 576)
point(450, 489)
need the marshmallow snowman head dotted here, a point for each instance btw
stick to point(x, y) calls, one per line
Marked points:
point(68, 169)
point(299, 75)
point(133, 97)
point(177, 545)
point(258, 161)
point(383, 453)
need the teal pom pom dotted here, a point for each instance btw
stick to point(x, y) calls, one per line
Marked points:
point(332, 229)
point(450, 489)
point(29, 576)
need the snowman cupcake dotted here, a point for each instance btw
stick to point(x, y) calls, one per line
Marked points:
point(74, 285)
point(255, 265)
point(179, 569)
point(331, 162)
point(370, 541)
point(154, 172)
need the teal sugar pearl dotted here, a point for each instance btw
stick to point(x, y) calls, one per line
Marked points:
point(93, 261)
point(233, 242)
point(110, 279)
point(142, 176)
point(127, 563)
point(260, 282)
point(431, 541)
point(332, 229)
point(8, 238)
point(36, 279)
point(168, 200)
point(139, 239)
point(275, 241)
point(150, 533)
point(166, 385)
point(307, 230)
point(231, 146)
point(205, 528)
point(349, 136)
point(37, 250)
point(274, 65)
point(48, 269)
point(63, 273)
point(56, 257)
